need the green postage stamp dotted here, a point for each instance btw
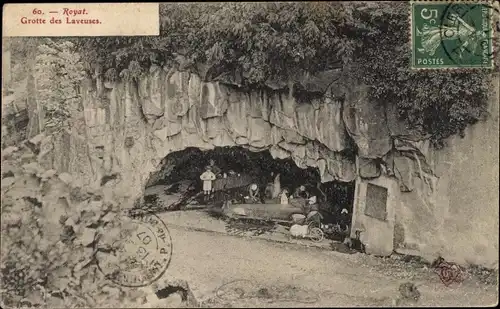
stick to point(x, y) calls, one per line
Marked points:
point(451, 34)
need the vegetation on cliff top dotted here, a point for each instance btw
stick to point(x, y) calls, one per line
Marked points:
point(264, 42)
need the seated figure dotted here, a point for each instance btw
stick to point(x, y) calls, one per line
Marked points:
point(301, 192)
point(344, 219)
point(253, 194)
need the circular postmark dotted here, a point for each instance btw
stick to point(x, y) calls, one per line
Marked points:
point(134, 250)
point(466, 33)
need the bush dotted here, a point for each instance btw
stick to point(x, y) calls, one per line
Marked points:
point(46, 258)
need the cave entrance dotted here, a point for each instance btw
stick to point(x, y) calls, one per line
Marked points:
point(177, 184)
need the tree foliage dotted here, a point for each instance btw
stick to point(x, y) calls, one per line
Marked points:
point(262, 42)
point(440, 103)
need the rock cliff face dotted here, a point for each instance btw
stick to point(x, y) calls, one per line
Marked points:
point(129, 132)
point(136, 125)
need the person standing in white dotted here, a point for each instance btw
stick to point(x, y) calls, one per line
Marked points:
point(284, 197)
point(207, 177)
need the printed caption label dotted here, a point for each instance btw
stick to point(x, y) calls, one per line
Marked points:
point(81, 19)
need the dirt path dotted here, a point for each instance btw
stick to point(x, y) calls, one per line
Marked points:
point(290, 274)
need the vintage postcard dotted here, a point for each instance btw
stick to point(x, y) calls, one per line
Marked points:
point(250, 154)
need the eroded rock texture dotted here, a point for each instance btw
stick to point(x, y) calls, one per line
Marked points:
point(138, 123)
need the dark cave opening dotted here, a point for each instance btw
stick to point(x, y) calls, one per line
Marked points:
point(180, 174)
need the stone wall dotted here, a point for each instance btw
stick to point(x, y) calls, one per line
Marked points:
point(376, 233)
point(455, 212)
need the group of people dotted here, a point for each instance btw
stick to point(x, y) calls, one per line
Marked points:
point(211, 173)
point(257, 193)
